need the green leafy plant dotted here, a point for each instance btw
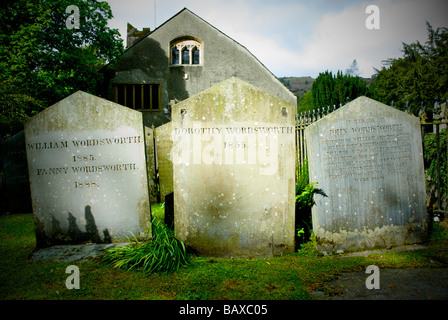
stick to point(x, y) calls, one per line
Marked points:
point(163, 253)
point(303, 177)
point(304, 203)
point(305, 190)
point(300, 232)
point(301, 236)
point(438, 233)
point(158, 210)
point(308, 249)
point(304, 199)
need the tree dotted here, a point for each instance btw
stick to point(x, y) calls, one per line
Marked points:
point(353, 70)
point(42, 60)
point(421, 75)
point(329, 90)
point(322, 89)
point(15, 108)
point(305, 102)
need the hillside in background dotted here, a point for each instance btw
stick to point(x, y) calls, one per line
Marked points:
point(301, 85)
point(298, 85)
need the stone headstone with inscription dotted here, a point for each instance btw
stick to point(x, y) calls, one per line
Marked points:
point(234, 162)
point(368, 159)
point(87, 169)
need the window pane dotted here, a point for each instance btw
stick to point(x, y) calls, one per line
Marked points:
point(155, 96)
point(146, 95)
point(175, 56)
point(195, 55)
point(120, 94)
point(185, 56)
point(129, 95)
point(138, 96)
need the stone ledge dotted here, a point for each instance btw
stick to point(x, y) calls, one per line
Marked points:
point(71, 253)
point(393, 249)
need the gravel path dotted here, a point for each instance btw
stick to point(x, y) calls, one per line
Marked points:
point(395, 284)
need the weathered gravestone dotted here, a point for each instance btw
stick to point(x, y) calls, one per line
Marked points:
point(368, 159)
point(233, 162)
point(15, 189)
point(86, 161)
point(164, 162)
point(151, 164)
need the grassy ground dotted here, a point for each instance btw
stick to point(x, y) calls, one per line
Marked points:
point(291, 276)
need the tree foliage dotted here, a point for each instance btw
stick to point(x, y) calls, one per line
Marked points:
point(329, 90)
point(421, 75)
point(305, 102)
point(430, 157)
point(42, 61)
point(353, 70)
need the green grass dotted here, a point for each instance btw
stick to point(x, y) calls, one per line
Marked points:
point(288, 277)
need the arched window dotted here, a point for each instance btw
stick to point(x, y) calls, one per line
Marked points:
point(185, 55)
point(195, 55)
point(175, 56)
point(186, 51)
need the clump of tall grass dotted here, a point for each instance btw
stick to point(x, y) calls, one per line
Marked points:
point(163, 253)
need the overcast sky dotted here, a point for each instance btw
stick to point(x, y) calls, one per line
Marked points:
point(301, 37)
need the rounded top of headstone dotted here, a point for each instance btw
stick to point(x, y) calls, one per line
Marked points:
point(234, 99)
point(364, 107)
point(82, 110)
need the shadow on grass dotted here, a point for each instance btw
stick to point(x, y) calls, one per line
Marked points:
point(288, 277)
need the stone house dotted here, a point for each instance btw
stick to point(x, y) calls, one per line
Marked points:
point(182, 57)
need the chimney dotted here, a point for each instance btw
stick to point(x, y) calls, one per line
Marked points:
point(134, 35)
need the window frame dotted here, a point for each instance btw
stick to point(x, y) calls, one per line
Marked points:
point(190, 44)
point(138, 103)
